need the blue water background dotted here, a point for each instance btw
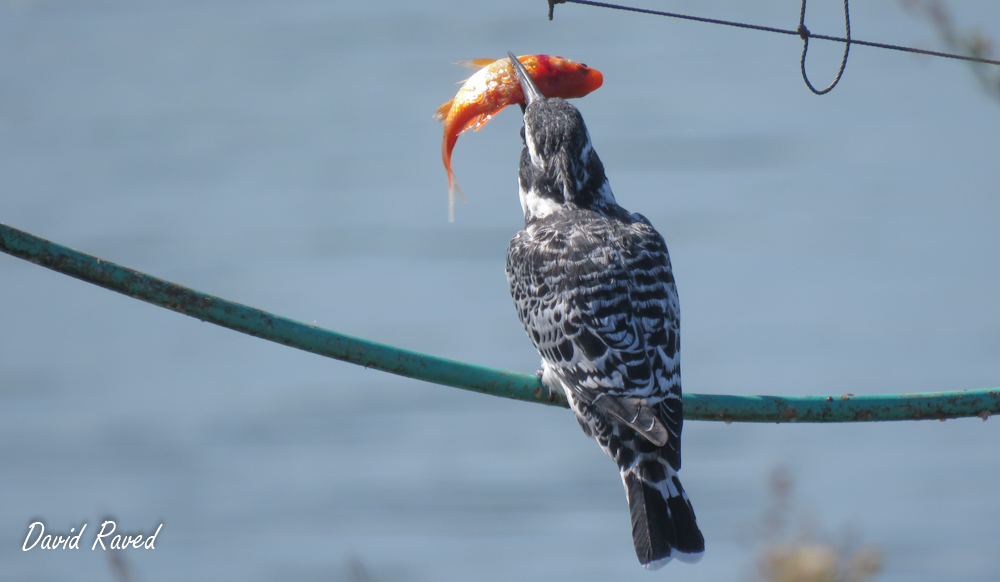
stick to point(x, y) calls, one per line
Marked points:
point(283, 155)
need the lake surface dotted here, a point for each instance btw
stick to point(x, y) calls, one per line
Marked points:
point(283, 155)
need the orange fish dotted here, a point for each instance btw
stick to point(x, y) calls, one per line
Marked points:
point(495, 86)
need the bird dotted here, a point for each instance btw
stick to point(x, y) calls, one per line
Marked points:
point(592, 285)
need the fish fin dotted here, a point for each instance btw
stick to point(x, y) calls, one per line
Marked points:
point(475, 64)
point(477, 122)
point(442, 112)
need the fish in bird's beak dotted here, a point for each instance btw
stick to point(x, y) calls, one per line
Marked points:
point(495, 85)
point(528, 87)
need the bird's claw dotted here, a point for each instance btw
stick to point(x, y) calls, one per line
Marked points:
point(550, 393)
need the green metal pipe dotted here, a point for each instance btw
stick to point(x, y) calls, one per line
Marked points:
point(501, 383)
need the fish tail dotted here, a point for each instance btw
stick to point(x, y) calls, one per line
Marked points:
point(447, 145)
point(452, 190)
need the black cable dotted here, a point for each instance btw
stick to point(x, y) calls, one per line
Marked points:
point(801, 32)
point(804, 34)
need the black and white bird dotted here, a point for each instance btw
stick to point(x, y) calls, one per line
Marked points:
point(593, 287)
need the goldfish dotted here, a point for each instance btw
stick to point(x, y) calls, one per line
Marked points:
point(495, 86)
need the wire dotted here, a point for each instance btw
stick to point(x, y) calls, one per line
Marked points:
point(801, 32)
point(527, 387)
point(804, 34)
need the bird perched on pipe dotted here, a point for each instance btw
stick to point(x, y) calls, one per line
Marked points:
point(593, 288)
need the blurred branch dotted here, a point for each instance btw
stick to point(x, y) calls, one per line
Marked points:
point(118, 564)
point(527, 387)
point(356, 570)
point(971, 42)
point(808, 555)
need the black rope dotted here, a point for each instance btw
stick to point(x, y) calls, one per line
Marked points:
point(802, 32)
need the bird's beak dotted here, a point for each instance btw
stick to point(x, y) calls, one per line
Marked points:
point(528, 87)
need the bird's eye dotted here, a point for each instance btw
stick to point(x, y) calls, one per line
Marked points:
point(584, 65)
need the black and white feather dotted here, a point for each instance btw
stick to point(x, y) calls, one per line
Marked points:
point(593, 287)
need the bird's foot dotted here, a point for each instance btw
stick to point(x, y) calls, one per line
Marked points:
point(550, 394)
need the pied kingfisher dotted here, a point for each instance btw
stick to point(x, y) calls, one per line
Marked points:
point(593, 287)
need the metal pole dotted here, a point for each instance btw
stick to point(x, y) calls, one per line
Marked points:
point(527, 387)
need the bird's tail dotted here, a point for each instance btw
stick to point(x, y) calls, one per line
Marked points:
point(663, 522)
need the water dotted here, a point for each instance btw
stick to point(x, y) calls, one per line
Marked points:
point(283, 155)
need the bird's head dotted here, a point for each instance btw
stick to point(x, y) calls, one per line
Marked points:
point(559, 167)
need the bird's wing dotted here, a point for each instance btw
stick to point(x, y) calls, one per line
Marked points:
point(657, 311)
point(573, 293)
